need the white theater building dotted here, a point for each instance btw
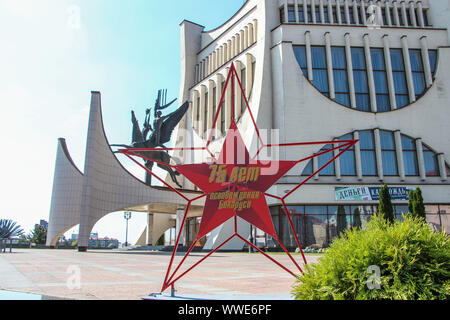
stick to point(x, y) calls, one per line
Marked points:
point(315, 70)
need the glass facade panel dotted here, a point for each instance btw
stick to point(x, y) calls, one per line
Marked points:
point(326, 18)
point(340, 75)
point(291, 14)
point(409, 156)
point(308, 169)
point(368, 159)
point(431, 162)
point(417, 72)
point(433, 60)
point(380, 79)
point(301, 15)
point(320, 73)
point(360, 79)
point(398, 72)
point(323, 159)
point(347, 159)
point(300, 54)
point(388, 153)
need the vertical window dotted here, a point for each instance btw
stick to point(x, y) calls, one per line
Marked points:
point(301, 14)
point(359, 15)
point(347, 159)
point(431, 162)
point(340, 75)
point(368, 159)
point(309, 14)
point(326, 17)
point(222, 111)
point(319, 65)
point(244, 89)
point(391, 13)
point(198, 113)
point(388, 153)
point(323, 159)
point(426, 21)
point(308, 170)
point(335, 13)
point(409, 156)
point(343, 18)
point(360, 79)
point(379, 76)
point(300, 54)
point(351, 16)
point(433, 60)
point(291, 14)
point(398, 72)
point(417, 71)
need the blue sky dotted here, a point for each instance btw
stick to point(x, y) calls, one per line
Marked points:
point(50, 61)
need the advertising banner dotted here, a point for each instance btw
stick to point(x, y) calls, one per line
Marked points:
point(370, 193)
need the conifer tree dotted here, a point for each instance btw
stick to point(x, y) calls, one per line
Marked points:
point(357, 219)
point(385, 208)
point(419, 206)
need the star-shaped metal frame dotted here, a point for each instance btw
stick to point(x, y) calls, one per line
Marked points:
point(343, 146)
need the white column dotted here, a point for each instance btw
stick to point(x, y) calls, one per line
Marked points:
point(351, 83)
point(412, 13)
point(420, 159)
point(197, 70)
point(378, 154)
point(322, 17)
point(297, 18)
point(305, 10)
point(316, 167)
point(238, 44)
point(149, 230)
point(285, 9)
point(248, 76)
point(396, 14)
point(255, 27)
point(242, 36)
point(228, 104)
point(233, 47)
point(338, 12)
point(442, 166)
point(379, 14)
point(308, 55)
point(179, 221)
point(337, 162)
point(219, 89)
point(355, 12)
point(251, 36)
point(329, 65)
point(387, 11)
point(363, 13)
point(313, 11)
point(399, 152)
point(210, 113)
point(358, 156)
point(404, 13)
point(372, 93)
point(407, 61)
point(237, 92)
point(347, 11)
point(246, 43)
point(195, 110)
point(229, 50)
point(225, 53)
point(390, 77)
point(421, 22)
point(426, 61)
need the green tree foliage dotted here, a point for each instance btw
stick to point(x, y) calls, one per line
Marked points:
point(341, 221)
point(160, 241)
point(414, 264)
point(38, 235)
point(416, 205)
point(9, 229)
point(385, 209)
point(357, 219)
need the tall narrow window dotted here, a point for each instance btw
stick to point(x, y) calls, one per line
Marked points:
point(409, 156)
point(335, 13)
point(360, 79)
point(368, 159)
point(282, 14)
point(398, 72)
point(426, 21)
point(391, 14)
point(417, 71)
point(214, 106)
point(388, 153)
point(222, 111)
point(319, 65)
point(379, 76)
point(340, 75)
point(244, 89)
point(351, 16)
point(317, 11)
point(324, 159)
point(343, 17)
point(433, 60)
point(291, 14)
point(300, 54)
point(309, 14)
point(431, 162)
point(347, 159)
point(301, 14)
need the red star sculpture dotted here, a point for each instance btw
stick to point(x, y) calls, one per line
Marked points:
point(235, 185)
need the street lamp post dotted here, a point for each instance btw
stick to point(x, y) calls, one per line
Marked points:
point(127, 216)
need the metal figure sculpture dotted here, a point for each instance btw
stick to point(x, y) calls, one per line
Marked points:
point(161, 133)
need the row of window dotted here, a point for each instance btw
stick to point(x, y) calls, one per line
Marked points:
point(368, 157)
point(381, 16)
point(361, 74)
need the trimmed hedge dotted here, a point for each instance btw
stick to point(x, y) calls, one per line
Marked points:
point(413, 259)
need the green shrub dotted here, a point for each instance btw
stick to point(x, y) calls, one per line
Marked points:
point(414, 262)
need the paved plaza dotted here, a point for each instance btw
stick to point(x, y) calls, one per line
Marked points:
point(131, 275)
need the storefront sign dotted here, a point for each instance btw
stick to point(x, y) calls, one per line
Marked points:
point(370, 193)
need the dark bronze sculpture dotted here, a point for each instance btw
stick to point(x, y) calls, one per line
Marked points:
point(161, 133)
